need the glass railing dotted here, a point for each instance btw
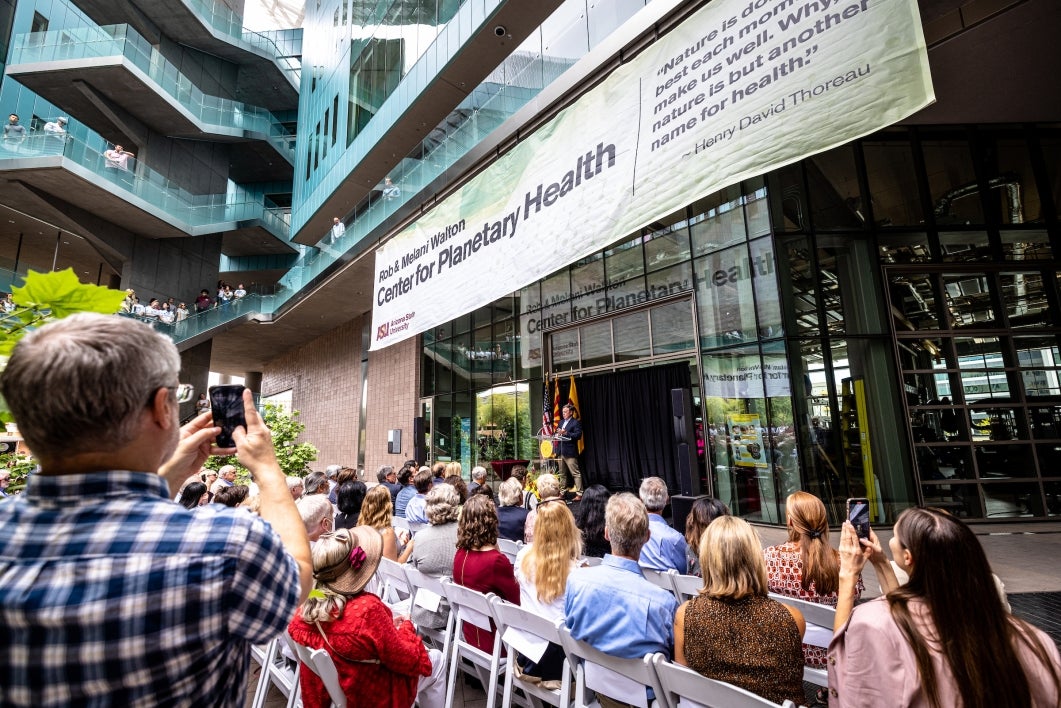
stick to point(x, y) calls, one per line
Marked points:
point(121, 40)
point(195, 213)
point(220, 17)
point(202, 322)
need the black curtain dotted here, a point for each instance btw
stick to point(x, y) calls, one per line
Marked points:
point(627, 426)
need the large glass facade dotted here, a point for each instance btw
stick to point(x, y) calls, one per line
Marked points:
point(880, 320)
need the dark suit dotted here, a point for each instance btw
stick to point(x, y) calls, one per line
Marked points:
point(570, 428)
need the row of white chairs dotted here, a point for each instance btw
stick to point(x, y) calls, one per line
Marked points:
point(277, 670)
point(819, 618)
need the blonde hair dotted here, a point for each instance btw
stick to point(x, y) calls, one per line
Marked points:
point(626, 521)
point(731, 559)
point(376, 511)
point(557, 543)
point(548, 486)
point(453, 468)
point(510, 493)
point(327, 552)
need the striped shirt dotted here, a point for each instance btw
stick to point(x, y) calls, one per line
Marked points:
point(112, 595)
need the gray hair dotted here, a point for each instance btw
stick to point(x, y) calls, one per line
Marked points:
point(442, 504)
point(478, 473)
point(313, 482)
point(313, 509)
point(293, 482)
point(510, 493)
point(626, 521)
point(81, 383)
point(332, 470)
point(382, 473)
point(654, 494)
point(548, 486)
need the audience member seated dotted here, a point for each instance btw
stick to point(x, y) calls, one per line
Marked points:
point(380, 665)
point(232, 496)
point(548, 490)
point(194, 495)
point(701, 514)
point(415, 512)
point(479, 565)
point(350, 496)
point(316, 513)
point(732, 631)
point(529, 500)
point(388, 478)
point(478, 479)
point(460, 485)
point(376, 512)
point(666, 547)
point(432, 549)
point(407, 492)
point(511, 516)
point(542, 570)
point(944, 638)
point(806, 566)
point(590, 520)
point(450, 469)
point(611, 606)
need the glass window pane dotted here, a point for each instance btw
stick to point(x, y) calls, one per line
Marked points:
point(672, 327)
point(964, 246)
point(718, 221)
point(1045, 425)
point(1003, 501)
point(995, 423)
point(1014, 187)
point(893, 183)
point(757, 213)
point(962, 500)
point(767, 297)
point(1031, 245)
point(904, 248)
point(587, 275)
point(564, 349)
point(835, 198)
point(725, 304)
point(733, 374)
point(914, 295)
point(1052, 490)
point(628, 294)
point(672, 281)
point(952, 182)
point(800, 282)
point(556, 288)
point(530, 298)
point(596, 341)
point(968, 300)
point(631, 336)
point(624, 261)
point(1024, 300)
point(666, 247)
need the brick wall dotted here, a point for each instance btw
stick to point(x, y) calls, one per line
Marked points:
point(324, 376)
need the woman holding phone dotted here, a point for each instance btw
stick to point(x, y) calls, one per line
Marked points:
point(944, 638)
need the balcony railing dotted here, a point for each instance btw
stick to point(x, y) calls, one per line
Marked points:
point(195, 213)
point(122, 41)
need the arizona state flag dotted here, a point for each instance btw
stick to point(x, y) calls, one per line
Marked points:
point(556, 404)
point(572, 397)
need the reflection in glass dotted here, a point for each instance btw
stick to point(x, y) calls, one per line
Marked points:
point(893, 184)
point(587, 275)
point(914, 295)
point(596, 343)
point(1026, 246)
point(556, 288)
point(964, 246)
point(998, 423)
point(984, 385)
point(666, 247)
point(673, 281)
point(834, 193)
point(969, 300)
point(1024, 299)
point(1011, 500)
point(1046, 424)
point(672, 327)
point(624, 261)
point(718, 221)
point(725, 303)
point(962, 500)
point(564, 349)
point(952, 182)
point(631, 336)
point(904, 248)
point(767, 296)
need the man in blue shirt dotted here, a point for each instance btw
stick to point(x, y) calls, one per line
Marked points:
point(611, 606)
point(113, 594)
point(666, 547)
point(416, 509)
point(407, 491)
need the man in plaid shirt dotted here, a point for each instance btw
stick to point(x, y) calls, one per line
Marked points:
point(111, 594)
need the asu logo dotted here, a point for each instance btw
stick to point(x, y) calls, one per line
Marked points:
point(383, 330)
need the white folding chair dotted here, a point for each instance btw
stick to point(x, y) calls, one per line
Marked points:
point(527, 633)
point(509, 548)
point(399, 522)
point(589, 561)
point(623, 680)
point(394, 587)
point(661, 579)
point(686, 587)
point(428, 593)
point(320, 663)
point(277, 671)
point(263, 655)
point(819, 619)
point(469, 606)
point(685, 688)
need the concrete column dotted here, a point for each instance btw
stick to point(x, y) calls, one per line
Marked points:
point(253, 381)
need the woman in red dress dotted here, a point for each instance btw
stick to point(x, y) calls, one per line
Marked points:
point(381, 661)
point(479, 565)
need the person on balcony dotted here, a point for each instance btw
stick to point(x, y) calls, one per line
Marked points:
point(14, 132)
point(117, 158)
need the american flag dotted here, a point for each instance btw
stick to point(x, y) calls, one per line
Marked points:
point(547, 415)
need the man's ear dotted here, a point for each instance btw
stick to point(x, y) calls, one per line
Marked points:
point(162, 408)
point(607, 536)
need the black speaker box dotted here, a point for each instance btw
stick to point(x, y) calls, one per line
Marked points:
point(680, 505)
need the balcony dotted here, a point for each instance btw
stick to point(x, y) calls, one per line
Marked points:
point(113, 69)
point(71, 169)
point(271, 68)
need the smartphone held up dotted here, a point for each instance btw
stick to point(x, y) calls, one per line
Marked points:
point(858, 515)
point(226, 406)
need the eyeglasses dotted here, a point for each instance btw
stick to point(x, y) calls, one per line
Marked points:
point(185, 392)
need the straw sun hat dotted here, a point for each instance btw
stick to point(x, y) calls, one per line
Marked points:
point(348, 569)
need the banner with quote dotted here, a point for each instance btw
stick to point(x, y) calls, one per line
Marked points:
point(740, 88)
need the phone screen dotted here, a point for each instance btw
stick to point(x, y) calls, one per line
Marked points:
point(858, 515)
point(226, 406)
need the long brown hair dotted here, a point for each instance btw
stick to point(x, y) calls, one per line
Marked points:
point(977, 636)
point(808, 525)
point(376, 510)
point(478, 523)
